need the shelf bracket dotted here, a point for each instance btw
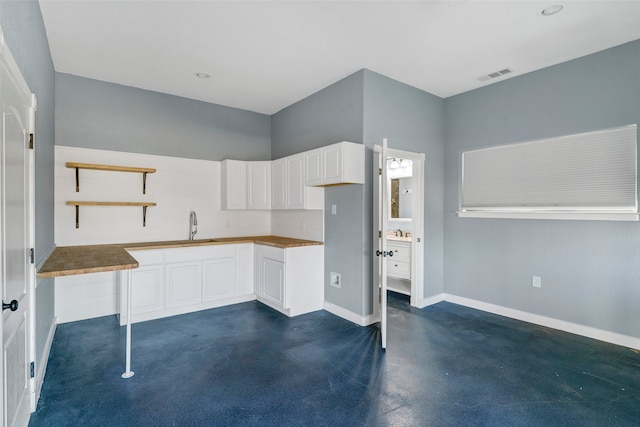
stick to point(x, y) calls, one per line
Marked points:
point(144, 215)
point(144, 182)
point(77, 182)
point(77, 215)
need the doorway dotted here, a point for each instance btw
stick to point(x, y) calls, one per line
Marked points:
point(398, 226)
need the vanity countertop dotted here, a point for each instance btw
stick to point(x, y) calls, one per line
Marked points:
point(395, 238)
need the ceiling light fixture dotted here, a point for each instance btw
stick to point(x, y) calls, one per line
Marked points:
point(394, 164)
point(552, 10)
point(202, 75)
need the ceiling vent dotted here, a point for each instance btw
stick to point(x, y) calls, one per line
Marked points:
point(496, 74)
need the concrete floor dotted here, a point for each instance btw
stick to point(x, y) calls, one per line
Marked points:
point(248, 365)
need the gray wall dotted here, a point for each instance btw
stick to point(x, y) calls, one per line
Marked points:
point(331, 115)
point(590, 269)
point(23, 28)
point(364, 108)
point(411, 120)
point(101, 115)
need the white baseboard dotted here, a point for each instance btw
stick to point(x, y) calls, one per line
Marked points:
point(425, 302)
point(349, 315)
point(42, 363)
point(574, 328)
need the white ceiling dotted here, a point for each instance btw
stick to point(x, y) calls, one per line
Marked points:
point(265, 55)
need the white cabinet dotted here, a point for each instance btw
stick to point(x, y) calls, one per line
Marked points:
point(295, 182)
point(290, 280)
point(218, 278)
point(399, 265)
point(149, 279)
point(259, 185)
point(273, 281)
point(233, 178)
point(245, 185)
point(313, 167)
point(341, 163)
point(244, 269)
point(289, 190)
point(181, 280)
point(279, 184)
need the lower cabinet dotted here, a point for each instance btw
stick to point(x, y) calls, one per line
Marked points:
point(290, 280)
point(182, 280)
point(183, 283)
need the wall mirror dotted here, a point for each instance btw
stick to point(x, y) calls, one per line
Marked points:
point(399, 173)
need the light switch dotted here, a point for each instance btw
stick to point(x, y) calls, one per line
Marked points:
point(333, 209)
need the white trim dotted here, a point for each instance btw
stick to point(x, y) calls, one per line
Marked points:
point(425, 302)
point(574, 328)
point(42, 364)
point(594, 216)
point(349, 315)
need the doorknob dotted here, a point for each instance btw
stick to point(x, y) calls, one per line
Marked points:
point(13, 305)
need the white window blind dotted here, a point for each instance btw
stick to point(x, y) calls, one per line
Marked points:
point(592, 172)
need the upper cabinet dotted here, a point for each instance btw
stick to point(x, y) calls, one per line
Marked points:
point(234, 184)
point(259, 185)
point(291, 182)
point(245, 185)
point(288, 185)
point(279, 184)
point(341, 163)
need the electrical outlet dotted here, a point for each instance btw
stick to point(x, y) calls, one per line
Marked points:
point(336, 280)
point(536, 281)
point(303, 226)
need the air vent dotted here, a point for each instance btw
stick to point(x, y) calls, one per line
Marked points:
point(495, 74)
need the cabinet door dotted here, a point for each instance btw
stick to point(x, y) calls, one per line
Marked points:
point(147, 291)
point(184, 283)
point(259, 185)
point(332, 164)
point(313, 167)
point(234, 184)
point(244, 269)
point(295, 181)
point(273, 281)
point(278, 184)
point(218, 278)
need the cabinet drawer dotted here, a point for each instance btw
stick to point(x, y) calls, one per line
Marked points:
point(400, 251)
point(192, 253)
point(276, 254)
point(150, 257)
point(216, 251)
point(398, 268)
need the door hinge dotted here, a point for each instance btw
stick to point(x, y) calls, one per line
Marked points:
point(32, 369)
point(379, 171)
point(379, 234)
point(31, 141)
point(32, 257)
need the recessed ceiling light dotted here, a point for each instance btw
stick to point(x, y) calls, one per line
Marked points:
point(552, 10)
point(202, 75)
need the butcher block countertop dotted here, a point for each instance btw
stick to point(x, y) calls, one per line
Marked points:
point(71, 260)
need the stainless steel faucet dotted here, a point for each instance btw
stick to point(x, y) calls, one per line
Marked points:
point(193, 224)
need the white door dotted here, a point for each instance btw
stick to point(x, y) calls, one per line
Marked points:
point(16, 126)
point(380, 222)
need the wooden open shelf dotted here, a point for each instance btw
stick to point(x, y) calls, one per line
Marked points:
point(91, 166)
point(144, 205)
